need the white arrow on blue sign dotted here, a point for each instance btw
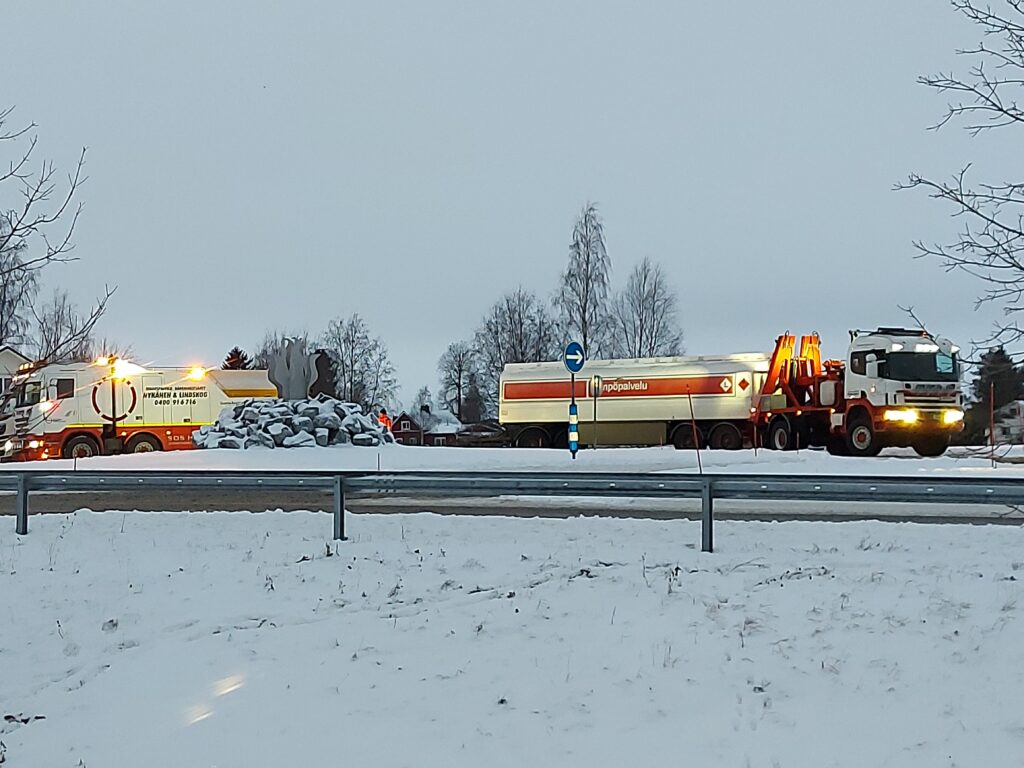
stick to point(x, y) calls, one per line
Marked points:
point(574, 357)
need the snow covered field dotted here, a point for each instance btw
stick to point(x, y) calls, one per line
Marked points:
point(235, 640)
point(398, 458)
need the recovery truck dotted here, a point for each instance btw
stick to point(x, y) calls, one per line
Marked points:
point(111, 406)
point(895, 387)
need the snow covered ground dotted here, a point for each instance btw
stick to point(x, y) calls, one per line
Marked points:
point(398, 457)
point(250, 640)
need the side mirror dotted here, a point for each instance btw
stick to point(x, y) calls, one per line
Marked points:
point(51, 391)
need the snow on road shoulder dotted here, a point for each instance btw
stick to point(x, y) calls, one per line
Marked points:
point(251, 640)
point(392, 458)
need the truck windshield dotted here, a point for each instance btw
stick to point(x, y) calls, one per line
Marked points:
point(28, 393)
point(921, 366)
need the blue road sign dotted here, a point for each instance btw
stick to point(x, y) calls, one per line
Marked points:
point(574, 357)
point(574, 433)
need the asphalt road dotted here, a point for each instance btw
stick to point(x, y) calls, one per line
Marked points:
point(655, 509)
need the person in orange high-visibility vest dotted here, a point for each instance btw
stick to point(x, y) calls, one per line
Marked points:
point(384, 419)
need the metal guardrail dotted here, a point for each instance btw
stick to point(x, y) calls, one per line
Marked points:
point(880, 489)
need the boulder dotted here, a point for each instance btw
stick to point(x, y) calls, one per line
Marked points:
point(302, 424)
point(230, 442)
point(301, 440)
point(366, 439)
point(352, 424)
point(259, 440)
point(308, 410)
point(323, 436)
point(250, 415)
point(329, 420)
point(279, 432)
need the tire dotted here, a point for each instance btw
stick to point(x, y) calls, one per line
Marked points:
point(780, 434)
point(533, 437)
point(80, 447)
point(725, 437)
point(560, 440)
point(861, 439)
point(143, 444)
point(836, 446)
point(682, 438)
point(931, 445)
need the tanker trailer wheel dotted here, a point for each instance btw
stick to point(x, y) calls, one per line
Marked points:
point(533, 437)
point(80, 447)
point(682, 438)
point(725, 437)
point(861, 439)
point(143, 444)
point(931, 445)
point(780, 434)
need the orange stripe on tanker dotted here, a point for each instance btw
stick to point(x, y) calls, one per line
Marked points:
point(674, 386)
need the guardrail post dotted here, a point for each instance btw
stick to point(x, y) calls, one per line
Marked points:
point(339, 508)
point(707, 517)
point(21, 505)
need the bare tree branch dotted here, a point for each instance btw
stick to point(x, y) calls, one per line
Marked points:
point(42, 207)
point(990, 245)
point(583, 297)
point(645, 315)
point(62, 334)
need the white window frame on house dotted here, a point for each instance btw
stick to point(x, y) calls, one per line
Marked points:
point(440, 441)
point(406, 426)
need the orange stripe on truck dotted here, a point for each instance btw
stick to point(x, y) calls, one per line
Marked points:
point(675, 386)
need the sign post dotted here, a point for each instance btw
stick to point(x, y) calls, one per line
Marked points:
point(573, 357)
point(595, 386)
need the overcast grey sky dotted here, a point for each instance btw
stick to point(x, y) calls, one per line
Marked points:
point(256, 164)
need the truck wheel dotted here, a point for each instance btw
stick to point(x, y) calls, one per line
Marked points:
point(836, 446)
point(725, 437)
point(682, 438)
point(143, 444)
point(861, 439)
point(533, 437)
point(80, 447)
point(931, 445)
point(780, 434)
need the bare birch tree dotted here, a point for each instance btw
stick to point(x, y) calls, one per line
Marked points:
point(456, 370)
point(38, 216)
point(63, 334)
point(18, 288)
point(582, 299)
point(365, 374)
point(644, 315)
point(273, 341)
point(990, 246)
point(516, 329)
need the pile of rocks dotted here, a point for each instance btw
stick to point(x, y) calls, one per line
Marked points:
point(291, 424)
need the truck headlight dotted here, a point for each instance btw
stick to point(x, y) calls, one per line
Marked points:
point(952, 416)
point(9, 446)
point(903, 415)
point(33, 444)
